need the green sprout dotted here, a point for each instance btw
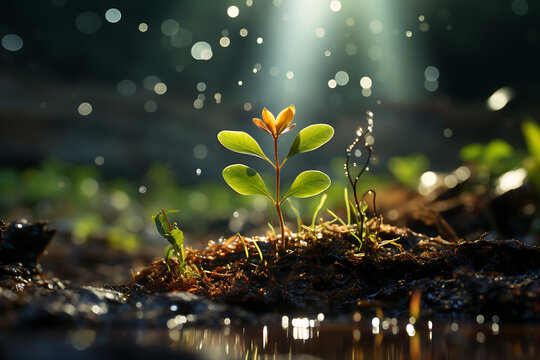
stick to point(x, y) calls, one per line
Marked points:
point(246, 181)
point(368, 229)
point(174, 236)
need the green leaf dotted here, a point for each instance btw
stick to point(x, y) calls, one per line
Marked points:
point(308, 183)
point(310, 138)
point(161, 223)
point(244, 180)
point(531, 132)
point(177, 236)
point(241, 142)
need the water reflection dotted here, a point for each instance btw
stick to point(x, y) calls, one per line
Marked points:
point(388, 338)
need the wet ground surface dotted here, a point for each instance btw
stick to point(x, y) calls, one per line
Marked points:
point(483, 302)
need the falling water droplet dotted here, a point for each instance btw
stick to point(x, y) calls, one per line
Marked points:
point(198, 172)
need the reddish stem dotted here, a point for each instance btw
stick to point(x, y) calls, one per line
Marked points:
point(278, 167)
point(165, 216)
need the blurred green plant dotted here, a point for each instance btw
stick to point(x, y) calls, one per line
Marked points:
point(492, 159)
point(246, 181)
point(531, 133)
point(408, 169)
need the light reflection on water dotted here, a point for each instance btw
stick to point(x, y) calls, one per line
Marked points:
point(367, 339)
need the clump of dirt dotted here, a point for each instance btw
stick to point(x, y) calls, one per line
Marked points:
point(21, 244)
point(323, 271)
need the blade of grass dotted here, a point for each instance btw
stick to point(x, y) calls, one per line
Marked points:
point(258, 249)
point(343, 223)
point(272, 230)
point(319, 207)
point(245, 245)
point(336, 217)
point(347, 207)
point(298, 219)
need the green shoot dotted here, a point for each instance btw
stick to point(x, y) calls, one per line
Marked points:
point(347, 207)
point(272, 230)
point(246, 181)
point(246, 247)
point(319, 207)
point(297, 213)
point(174, 236)
point(336, 217)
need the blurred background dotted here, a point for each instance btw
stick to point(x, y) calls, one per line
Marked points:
point(109, 110)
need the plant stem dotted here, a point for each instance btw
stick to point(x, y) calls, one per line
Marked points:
point(278, 167)
point(165, 216)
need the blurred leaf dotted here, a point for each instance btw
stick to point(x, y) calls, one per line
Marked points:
point(244, 180)
point(241, 142)
point(531, 132)
point(308, 183)
point(408, 169)
point(121, 239)
point(311, 138)
point(472, 152)
point(495, 151)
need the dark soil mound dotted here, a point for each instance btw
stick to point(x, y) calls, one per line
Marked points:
point(323, 271)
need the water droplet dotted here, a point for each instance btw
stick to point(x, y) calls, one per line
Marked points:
point(198, 172)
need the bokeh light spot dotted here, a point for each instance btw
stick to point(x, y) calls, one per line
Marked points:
point(143, 27)
point(88, 22)
point(366, 82)
point(342, 78)
point(160, 88)
point(201, 51)
point(320, 32)
point(12, 42)
point(335, 5)
point(224, 41)
point(233, 11)
point(126, 87)
point(85, 109)
point(375, 26)
point(113, 15)
point(170, 27)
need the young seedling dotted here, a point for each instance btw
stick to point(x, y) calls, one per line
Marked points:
point(360, 207)
point(174, 236)
point(246, 181)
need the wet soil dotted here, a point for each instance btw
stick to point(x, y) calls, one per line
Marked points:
point(235, 307)
point(324, 271)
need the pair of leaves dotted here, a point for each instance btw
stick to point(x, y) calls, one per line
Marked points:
point(246, 181)
point(308, 139)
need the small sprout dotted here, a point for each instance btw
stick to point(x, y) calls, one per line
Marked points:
point(297, 213)
point(368, 229)
point(272, 230)
point(174, 236)
point(319, 207)
point(246, 181)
